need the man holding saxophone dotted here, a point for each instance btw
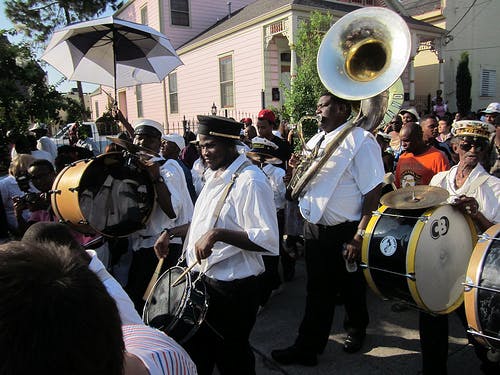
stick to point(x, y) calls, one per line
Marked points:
point(336, 204)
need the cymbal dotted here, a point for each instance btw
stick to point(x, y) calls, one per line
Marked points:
point(132, 148)
point(415, 197)
point(263, 158)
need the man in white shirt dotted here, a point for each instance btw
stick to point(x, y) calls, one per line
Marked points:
point(147, 134)
point(264, 154)
point(44, 143)
point(337, 207)
point(234, 224)
point(476, 193)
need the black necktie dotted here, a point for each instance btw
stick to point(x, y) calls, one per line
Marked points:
point(316, 148)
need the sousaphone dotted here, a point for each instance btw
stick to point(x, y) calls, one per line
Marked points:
point(359, 59)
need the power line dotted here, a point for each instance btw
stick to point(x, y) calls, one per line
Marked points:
point(470, 49)
point(461, 18)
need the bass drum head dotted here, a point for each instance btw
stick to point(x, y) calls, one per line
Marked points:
point(165, 303)
point(110, 195)
point(482, 305)
point(178, 311)
point(441, 246)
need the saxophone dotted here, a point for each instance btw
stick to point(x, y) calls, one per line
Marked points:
point(306, 157)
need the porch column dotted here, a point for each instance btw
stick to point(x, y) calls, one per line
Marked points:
point(293, 61)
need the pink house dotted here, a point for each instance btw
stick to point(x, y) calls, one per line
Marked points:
point(236, 55)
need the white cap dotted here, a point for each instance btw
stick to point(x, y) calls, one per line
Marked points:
point(492, 108)
point(176, 138)
point(141, 123)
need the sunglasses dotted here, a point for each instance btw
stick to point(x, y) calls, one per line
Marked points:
point(467, 146)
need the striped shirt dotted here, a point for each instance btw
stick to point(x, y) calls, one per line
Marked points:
point(160, 353)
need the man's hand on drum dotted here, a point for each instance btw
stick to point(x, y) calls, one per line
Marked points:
point(203, 247)
point(353, 249)
point(161, 245)
point(467, 205)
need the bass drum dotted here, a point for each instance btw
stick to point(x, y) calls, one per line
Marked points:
point(176, 310)
point(418, 256)
point(108, 194)
point(482, 289)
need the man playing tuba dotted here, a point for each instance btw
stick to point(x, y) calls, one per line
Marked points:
point(336, 204)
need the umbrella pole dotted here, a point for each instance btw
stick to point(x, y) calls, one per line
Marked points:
point(114, 66)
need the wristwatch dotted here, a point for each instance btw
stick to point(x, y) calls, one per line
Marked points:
point(159, 180)
point(170, 234)
point(361, 233)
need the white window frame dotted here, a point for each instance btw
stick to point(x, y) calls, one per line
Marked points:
point(144, 15)
point(173, 93)
point(138, 100)
point(488, 83)
point(188, 12)
point(225, 102)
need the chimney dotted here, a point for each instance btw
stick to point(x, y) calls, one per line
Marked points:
point(229, 9)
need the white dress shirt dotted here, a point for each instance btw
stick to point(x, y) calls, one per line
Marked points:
point(173, 176)
point(46, 144)
point(275, 176)
point(486, 194)
point(335, 194)
point(128, 314)
point(248, 207)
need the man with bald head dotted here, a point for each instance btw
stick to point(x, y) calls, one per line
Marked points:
point(419, 161)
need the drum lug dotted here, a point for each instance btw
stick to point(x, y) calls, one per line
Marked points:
point(83, 222)
point(54, 192)
point(74, 189)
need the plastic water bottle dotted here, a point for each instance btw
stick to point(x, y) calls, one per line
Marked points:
point(349, 266)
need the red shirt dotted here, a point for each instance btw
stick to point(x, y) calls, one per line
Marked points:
point(419, 169)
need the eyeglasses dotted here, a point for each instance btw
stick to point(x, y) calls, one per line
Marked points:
point(467, 146)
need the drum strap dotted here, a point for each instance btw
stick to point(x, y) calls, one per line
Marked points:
point(476, 183)
point(218, 207)
point(226, 190)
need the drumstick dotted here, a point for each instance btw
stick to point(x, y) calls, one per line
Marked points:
point(153, 280)
point(183, 274)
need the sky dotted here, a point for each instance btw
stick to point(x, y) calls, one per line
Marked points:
point(53, 75)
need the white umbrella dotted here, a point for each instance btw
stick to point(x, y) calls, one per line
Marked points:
point(111, 52)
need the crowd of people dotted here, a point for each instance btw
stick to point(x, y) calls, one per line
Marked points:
point(222, 208)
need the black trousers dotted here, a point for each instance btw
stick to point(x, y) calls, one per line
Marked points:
point(223, 337)
point(271, 278)
point(144, 262)
point(327, 277)
point(433, 331)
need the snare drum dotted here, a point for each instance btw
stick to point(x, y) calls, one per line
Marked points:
point(108, 194)
point(482, 289)
point(178, 311)
point(418, 256)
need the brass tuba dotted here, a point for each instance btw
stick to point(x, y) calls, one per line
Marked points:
point(360, 58)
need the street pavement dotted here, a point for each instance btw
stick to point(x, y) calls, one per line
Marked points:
point(391, 346)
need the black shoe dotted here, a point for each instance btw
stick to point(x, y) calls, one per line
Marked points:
point(294, 355)
point(353, 343)
point(399, 307)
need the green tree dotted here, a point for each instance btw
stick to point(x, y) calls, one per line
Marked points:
point(37, 19)
point(24, 94)
point(464, 84)
point(306, 87)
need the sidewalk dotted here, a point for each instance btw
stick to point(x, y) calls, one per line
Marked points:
point(391, 346)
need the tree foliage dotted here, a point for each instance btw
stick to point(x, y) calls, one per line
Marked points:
point(24, 94)
point(464, 84)
point(306, 87)
point(38, 18)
